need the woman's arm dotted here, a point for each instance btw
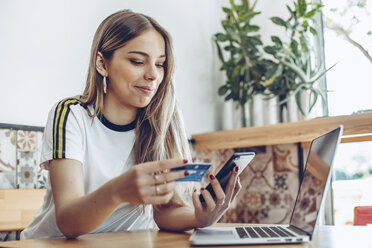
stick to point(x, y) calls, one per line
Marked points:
point(78, 213)
point(180, 218)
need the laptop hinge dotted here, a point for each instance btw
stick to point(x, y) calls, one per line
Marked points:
point(300, 231)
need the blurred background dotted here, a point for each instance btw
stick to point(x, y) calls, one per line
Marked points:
point(45, 46)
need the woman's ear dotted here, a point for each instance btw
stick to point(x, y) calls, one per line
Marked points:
point(101, 65)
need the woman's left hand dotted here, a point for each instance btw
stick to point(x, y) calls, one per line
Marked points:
point(212, 210)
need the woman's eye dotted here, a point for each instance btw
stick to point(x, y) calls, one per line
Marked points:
point(160, 65)
point(136, 62)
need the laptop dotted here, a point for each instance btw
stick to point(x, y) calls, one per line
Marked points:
point(305, 211)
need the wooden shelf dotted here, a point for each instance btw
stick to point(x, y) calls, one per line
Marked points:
point(357, 127)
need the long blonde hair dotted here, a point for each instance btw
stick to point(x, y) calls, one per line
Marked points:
point(159, 131)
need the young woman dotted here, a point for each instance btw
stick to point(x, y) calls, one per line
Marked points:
point(109, 151)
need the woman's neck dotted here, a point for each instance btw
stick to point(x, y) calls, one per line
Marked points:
point(117, 113)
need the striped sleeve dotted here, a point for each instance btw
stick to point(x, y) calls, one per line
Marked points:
point(61, 114)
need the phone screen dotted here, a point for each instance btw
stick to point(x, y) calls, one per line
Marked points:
point(241, 159)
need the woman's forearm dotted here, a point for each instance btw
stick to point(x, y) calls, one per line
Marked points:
point(84, 214)
point(176, 219)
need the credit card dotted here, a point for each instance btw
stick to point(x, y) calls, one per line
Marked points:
point(196, 171)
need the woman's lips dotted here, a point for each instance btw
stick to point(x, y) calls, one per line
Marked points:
point(145, 90)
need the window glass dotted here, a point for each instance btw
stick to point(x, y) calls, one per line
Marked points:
point(348, 41)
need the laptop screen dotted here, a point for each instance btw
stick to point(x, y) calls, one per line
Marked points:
point(313, 185)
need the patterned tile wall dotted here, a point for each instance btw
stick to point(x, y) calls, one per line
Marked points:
point(8, 160)
point(19, 163)
point(19, 159)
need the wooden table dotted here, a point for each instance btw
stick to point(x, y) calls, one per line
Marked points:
point(18, 207)
point(325, 236)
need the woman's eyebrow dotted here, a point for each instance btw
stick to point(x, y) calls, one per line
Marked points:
point(145, 54)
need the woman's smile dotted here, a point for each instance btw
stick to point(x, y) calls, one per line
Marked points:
point(146, 90)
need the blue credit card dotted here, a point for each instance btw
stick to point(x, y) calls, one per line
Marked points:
point(196, 171)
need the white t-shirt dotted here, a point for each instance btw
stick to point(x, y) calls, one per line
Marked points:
point(104, 149)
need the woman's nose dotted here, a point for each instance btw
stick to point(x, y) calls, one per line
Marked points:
point(151, 73)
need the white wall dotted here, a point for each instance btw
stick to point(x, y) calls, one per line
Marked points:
point(44, 49)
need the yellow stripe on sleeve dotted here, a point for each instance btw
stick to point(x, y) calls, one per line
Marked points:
point(59, 126)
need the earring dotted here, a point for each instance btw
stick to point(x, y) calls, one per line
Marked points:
point(104, 85)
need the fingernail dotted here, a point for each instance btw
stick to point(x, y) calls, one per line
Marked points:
point(194, 190)
point(211, 177)
point(236, 168)
point(202, 189)
point(186, 173)
point(185, 161)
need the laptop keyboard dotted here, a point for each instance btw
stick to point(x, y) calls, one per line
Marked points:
point(262, 232)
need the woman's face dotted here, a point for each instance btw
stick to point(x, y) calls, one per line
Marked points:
point(136, 70)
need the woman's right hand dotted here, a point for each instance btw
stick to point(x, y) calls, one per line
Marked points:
point(142, 183)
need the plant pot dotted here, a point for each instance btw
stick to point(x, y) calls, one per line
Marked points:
point(233, 115)
point(291, 115)
point(264, 110)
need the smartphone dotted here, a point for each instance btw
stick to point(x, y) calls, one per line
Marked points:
point(241, 159)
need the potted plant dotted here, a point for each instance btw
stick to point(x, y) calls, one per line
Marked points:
point(239, 53)
point(295, 68)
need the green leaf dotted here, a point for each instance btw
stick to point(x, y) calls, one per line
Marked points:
point(320, 74)
point(252, 5)
point(223, 90)
point(302, 5)
point(278, 21)
point(313, 31)
point(250, 15)
point(296, 69)
point(304, 46)
point(232, 4)
point(245, 4)
point(232, 49)
point(227, 10)
point(289, 9)
point(277, 41)
point(240, 11)
point(298, 101)
point(251, 28)
point(321, 93)
point(219, 51)
point(311, 13)
point(229, 96)
point(315, 98)
point(271, 50)
point(227, 24)
point(232, 34)
point(221, 37)
point(255, 40)
point(294, 48)
point(305, 25)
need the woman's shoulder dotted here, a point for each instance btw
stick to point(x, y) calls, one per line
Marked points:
point(62, 108)
point(68, 102)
